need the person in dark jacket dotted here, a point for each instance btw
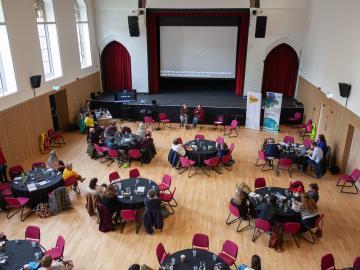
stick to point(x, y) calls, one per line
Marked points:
point(152, 215)
point(269, 212)
point(272, 150)
point(223, 150)
point(242, 202)
point(110, 201)
point(198, 115)
point(321, 142)
point(3, 175)
point(152, 202)
point(314, 192)
point(111, 130)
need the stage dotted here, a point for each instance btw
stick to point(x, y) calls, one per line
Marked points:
point(215, 102)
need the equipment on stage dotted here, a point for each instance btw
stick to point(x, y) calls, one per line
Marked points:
point(126, 96)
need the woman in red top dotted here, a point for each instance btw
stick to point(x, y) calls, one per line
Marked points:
point(198, 115)
point(3, 175)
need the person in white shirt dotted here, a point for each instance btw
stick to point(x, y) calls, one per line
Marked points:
point(47, 263)
point(178, 147)
point(315, 157)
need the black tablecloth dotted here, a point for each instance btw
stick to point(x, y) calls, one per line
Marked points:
point(138, 199)
point(191, 261)
point(19, 187)
point(283, 216)
point(203, 152)
point(293, 152)
point(126, 141)
point(18, 254)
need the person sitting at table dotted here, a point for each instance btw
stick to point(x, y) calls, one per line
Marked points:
point(3, 174)
point(269, 212)
point(54, 162)
point(255, 264)
point(138, 267)
point(152, 215)
point(178, 147)
point(125, 130)
point(148, 150)
point(110, 131)
point(314, 192)
point(321, 142)
point(147, 139)
point(242, 202)
point(141, 131)
point(94, 189)
point(198, 115)
point(110, 201)
point(184, 116)
point(223, 150)
point(308, 210)
point(89, 123)
point(68, 172)
point(47, 263)
point(272, 150)
point(314, 158)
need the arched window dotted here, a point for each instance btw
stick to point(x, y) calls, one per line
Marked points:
point(82, 27)
point(49, 42)
point(7, 74)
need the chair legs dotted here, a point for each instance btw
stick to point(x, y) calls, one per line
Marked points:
point(171, 206)
point(256, 234)
point(352, 184)
point(263, 165)
point(294, 237)
point(137, 226)
point(208, 169)
point(231, 132)
point(228, 222)
point(184, 169)
point(312, 240)
point(22, 217)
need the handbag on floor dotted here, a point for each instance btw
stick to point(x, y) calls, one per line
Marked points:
point(43, 210)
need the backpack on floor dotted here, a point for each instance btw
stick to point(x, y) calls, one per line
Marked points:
point(43, 210)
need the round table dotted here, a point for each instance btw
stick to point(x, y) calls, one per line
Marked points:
point(200, 150)
point(19, 253)
point(285, 213)
point(127, 195)
point(190, 261)
point(45, 180)
point(127, 141)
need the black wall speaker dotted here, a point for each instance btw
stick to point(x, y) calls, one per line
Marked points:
point(344, 89)
point(134, 29)
point(35, 81)
point(260, 26)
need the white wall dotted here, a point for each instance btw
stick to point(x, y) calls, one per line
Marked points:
point(25, 47)
point(332, 53)
point(287, 20)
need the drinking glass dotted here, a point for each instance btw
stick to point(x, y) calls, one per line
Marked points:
point(131, 198)
point(285, 209)
point(195, 267)
point(137, 181)
point(214, 257)
point(173, 261)
point(33, 244)
point(269, 188)
point(194, 252)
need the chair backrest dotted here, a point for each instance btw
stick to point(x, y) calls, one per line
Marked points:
point(309, 122)
point(234, 210)
point(288, 139)
point(114, 176)
point(60, 244)
point(200, 241)
point(98, 149)
point(357, 263)
point(162, 116)
point(219, 118)
point(297, 115)
point(113, 153)
point(32, 233)
point(38, 165)
point(160, 252)
point(292, 227)
point(214, 161)
point(231, 148)
point(15, 171)
point(355, 174)
point(285, 162)
point(220, 140)
point(134, 173)
point(199, 137)
point(70, 181)
point(148, 119)
point(309, 127)
point(172, 194)
point(134, 153)
point(128, 214)
point(166, 180)
point(296, 186)
point(12, 202)
point(319, 221)
point(230, 248)
point(234, 124)
point(261, 155)
point(307, 143)
point(184, 162)
point(263, 225)
point(260, 182)
point(51, 133)
point(225, 159)
point(327, 262)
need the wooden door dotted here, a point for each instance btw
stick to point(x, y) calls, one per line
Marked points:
point(326, 124)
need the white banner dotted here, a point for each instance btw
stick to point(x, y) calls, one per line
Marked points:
point(253, 110)
point(272, 111)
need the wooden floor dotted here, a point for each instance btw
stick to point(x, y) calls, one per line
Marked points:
point(203, 207)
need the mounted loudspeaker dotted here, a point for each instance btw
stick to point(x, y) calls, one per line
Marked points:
point(35, 81)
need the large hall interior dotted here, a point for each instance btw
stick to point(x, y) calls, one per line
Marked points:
point(179, 135)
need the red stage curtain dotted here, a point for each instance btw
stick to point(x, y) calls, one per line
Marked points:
point(116, 67)
point(153, 45)
point(280, 71)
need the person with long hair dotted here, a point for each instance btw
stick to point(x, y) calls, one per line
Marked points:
point(54, 162)
point(314, 192)
point(110, 201)
point(94, 189)
point(141, 131)
point(255, 264)
point(178, 147)
point(321, 142)
point(184, 115)
point(3, 175)
point(308, 211)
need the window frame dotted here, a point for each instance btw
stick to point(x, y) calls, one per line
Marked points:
point(3, 84)
point(48, 48)
point(85, 62)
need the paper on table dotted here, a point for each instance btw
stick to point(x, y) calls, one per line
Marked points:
point(115, 181)
point(141, 189)
point(253, 194)
point(31, 187)
point(43, 182)
point(17, 178)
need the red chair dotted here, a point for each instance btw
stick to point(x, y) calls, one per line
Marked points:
point(289, 139)
point(260, 226)
point(134, 173)
point(165, 183)
point(302, 127)
point(101, 153)
point(226, 162)
point(296, 186)
point(134, 154)
point(351, 179)
point(32, 233)
point(229, 253)
point(113, 155)
point(164, 120)
point(129, 215)
point(114, 176)
point(19, 204)
point(199, 137)
point(5, 189)
point(40, 165)
point(357, 263)
point(57, 252)
point(284, 164)
point(168, 198)
point(212, 163)
point(72, 182)
point(317, 227)
point(219, 121)
point(232, 128)
point(236, 213)
point(161, 254)
point(259, 182)
point(267, 162)
point(296, 118)
point(15, 171)
point(55, 137)
point(231, 149)
point(200, 241)
point(220, 140)
point(306, 131)
point(293, 228)
point(187, 165)
point(307, 143)
point(148, 120)
point(328, 262)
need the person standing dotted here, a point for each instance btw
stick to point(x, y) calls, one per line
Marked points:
point(198, 115)
point(3, 167)
point(89, 123)
point(184, 115)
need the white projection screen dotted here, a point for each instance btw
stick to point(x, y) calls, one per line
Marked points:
point(198, 51)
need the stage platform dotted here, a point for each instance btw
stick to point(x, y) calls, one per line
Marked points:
point(214, 103)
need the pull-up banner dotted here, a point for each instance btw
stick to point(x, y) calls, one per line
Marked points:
point(253, 110)
point(272, 112)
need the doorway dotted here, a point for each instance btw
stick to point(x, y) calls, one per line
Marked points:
point(326, 124)
point(59, 110)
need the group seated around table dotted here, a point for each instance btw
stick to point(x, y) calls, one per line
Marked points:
point(198, 114)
